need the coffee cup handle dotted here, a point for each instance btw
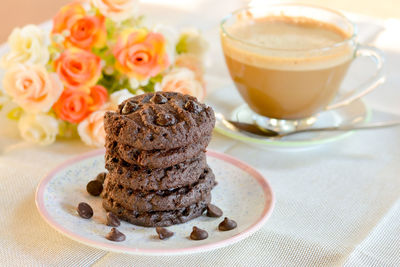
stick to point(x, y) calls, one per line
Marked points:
point(372, 83)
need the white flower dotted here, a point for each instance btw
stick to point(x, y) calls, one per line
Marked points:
point(139, 92)
point(117, 10)
point(135, 84)
point(171, 37)
point(193, 42)
point(118, 97)
point(182, 80)
point(91, 130)
point(38, 128)
point(27, 45)
point(32, 87)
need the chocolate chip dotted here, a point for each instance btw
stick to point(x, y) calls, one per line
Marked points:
point(165, 119)
point(94, 187)
point(159, 99)
point(101, 177)
point(84, 210)
point(129, 107)
point(192, 106)
point(112, 220)
point(227, 224)
point(198, 234)
point(213, 211)
point(163, 233)
point(115, 235)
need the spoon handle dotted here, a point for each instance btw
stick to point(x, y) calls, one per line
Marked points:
point(373, 125)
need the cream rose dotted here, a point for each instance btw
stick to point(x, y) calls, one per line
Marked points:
point(38, 128)
point(117, 10)
point(32, 87)
point(27, 45)
point(191, 41)
point(184, 81)
point(91, 129)
point(118, 97)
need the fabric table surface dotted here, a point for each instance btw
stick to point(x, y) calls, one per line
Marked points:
point(336, 204)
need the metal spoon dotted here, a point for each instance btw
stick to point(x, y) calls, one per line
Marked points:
point(255, 129)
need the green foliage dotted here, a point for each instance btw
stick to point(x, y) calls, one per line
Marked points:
point(114, 82)
point(15, 113)
point(134, 22)
point(152, 82)
point(111, 28)
point(67, 129)
point(181, 46)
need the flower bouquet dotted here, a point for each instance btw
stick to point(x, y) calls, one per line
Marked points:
point(97, 55)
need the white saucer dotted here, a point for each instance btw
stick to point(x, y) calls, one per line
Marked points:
point(242, 193)
point(228, 102)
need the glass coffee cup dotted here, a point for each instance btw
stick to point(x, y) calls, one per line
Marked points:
point(288, 62)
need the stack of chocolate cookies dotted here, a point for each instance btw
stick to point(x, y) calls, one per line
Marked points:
point(155, 157)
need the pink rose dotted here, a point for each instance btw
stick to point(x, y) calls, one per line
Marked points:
point(91, 129)
point(140, 54)
point(184, 81)
point(32, 87)
point(116, 10)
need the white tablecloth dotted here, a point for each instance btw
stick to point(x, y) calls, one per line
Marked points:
point(337, 204)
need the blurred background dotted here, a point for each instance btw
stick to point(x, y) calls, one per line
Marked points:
point(21, 12)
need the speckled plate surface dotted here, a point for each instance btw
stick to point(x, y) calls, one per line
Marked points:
point(242, 193)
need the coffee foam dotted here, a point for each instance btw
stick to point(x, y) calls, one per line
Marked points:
point(287, 43)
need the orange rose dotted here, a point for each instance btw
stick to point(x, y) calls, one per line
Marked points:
point(75, 105)
point(78, 68)
point(140, 54)
point(83, 31)
point(99, 96)
point(67, 16)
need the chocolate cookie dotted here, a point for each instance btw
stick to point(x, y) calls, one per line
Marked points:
point(161, 200)
point(157, 218)
point(144, 179)
point(154, 158)
point(161, 120)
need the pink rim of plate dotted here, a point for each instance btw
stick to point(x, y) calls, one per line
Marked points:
point(269, 206)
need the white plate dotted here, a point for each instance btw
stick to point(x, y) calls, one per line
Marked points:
point(228, 102)
point(242, 193)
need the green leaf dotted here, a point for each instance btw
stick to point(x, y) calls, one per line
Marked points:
point(67, 130)
point(110, 28)
point(15, 113)
point(114, 82)
point(181, 46)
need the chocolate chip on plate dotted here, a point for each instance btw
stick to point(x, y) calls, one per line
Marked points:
point(115, 235)
point(198, 234)
point(159, 99)
point(101, 177)
point(227, 224)
point(84, 210)
point(94, 187)
point(213, 211)
point(192, 106)
point(112, 220)
point(165, 119)
point(163, 233)
point(129, 107)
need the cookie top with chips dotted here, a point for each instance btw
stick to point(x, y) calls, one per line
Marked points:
point(161, 120)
